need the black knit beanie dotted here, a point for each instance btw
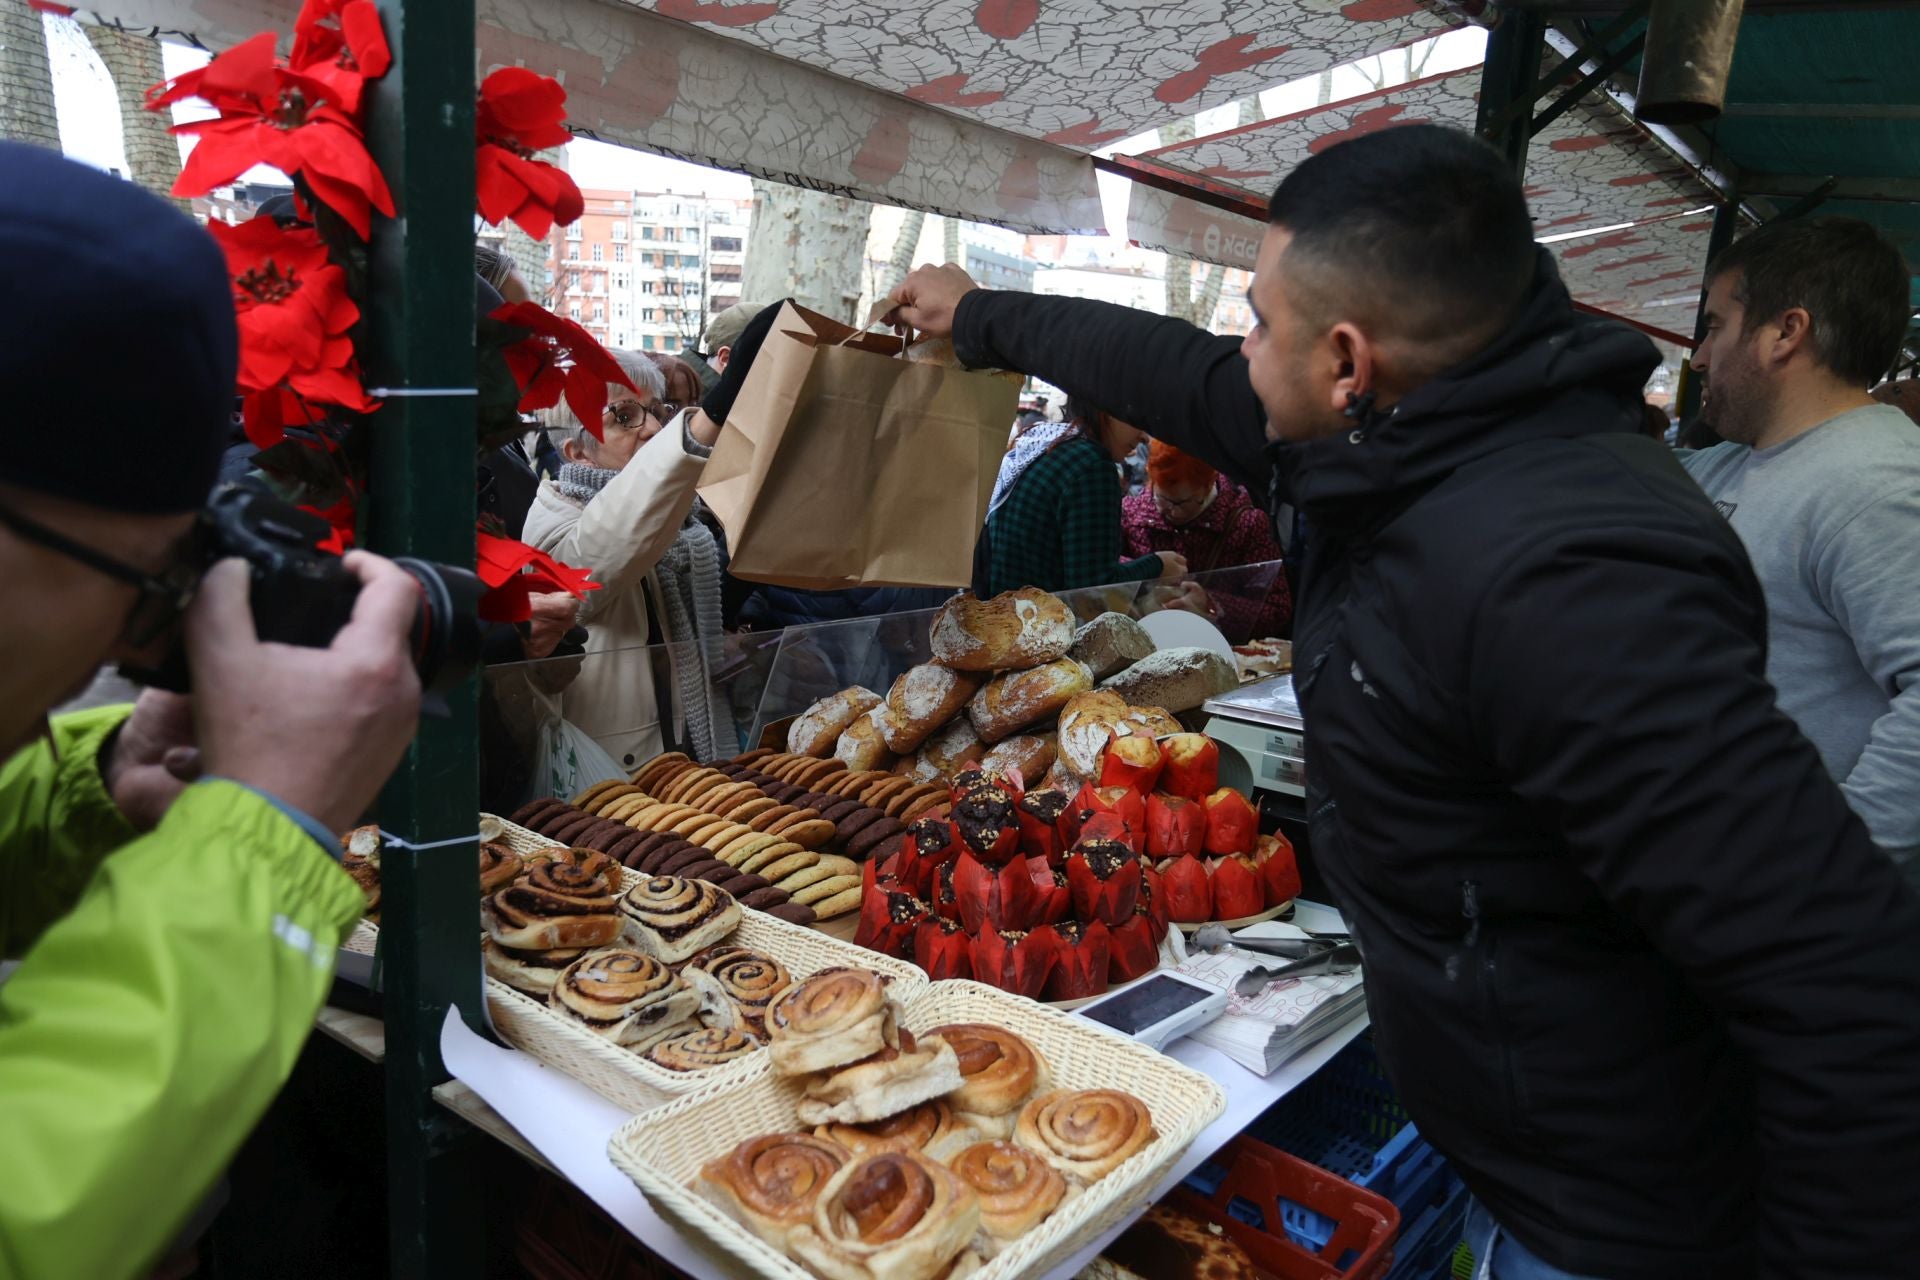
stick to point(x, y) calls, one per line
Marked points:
point(117, 339)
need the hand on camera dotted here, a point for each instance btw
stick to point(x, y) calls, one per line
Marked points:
point(318, 729)
point(153, 757)
point(926, 299)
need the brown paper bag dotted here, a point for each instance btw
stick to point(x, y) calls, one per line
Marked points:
point(843, 464)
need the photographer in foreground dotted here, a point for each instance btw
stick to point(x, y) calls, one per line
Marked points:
point(1632, 964)
point(169, 873)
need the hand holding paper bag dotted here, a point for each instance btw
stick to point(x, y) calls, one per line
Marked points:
point(841, 464)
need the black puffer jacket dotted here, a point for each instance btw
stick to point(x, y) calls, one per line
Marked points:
point(1632, 964)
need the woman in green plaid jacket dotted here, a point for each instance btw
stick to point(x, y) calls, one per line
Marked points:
point(1054, 522)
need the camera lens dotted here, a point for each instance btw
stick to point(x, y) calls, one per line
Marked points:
point(446, 626)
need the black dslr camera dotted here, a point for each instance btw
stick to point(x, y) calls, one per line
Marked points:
point(303, 596)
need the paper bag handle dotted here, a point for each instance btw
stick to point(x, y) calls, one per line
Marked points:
point(906, 339)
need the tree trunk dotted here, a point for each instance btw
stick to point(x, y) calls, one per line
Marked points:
point(133, 63)
point(905, 246)
point(951, 249)
point(1179, 303)
point(26, 79)
point(807, 246)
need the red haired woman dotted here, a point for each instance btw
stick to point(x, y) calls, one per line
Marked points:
point(1193, 510)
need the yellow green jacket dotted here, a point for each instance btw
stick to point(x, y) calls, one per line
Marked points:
point(163, 994)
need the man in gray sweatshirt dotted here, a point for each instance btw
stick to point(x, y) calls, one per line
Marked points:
point(1823, 486)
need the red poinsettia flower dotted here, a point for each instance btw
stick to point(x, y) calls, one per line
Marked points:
point(560, 357)
point(270, 114)
point(512, 571)
point(520, 112)
point(342, 44)
point(294, 316)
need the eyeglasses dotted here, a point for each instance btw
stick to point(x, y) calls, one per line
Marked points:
point(163, 597)
point(627, 413)
point(1173, 506)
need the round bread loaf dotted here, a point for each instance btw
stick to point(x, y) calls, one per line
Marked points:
point(862, 746)
point(1087, 724)
point(1177, 679)
point(1027, 754)
point(1011, 632)
point(1111, 642)
point(947, 750)
point(817, 728)
point(921, 700)
point(1015, 699)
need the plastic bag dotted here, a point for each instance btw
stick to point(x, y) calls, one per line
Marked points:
point(566, 761)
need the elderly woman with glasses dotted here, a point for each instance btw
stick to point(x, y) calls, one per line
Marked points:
point(1190, 508)
point(620, 507)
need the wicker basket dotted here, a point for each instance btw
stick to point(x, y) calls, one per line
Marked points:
point(663, 1149)
point(624, 1077)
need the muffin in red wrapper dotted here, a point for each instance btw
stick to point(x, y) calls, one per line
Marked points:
point(1014, 961)
point(888, 917)
point(1176, 826)
point(1192, 766)
point(1237, 888)
point(1187, 890)
point(944, 904)
point(1080, 969)
point(1133, 762)
point(1279, 873)
point(1131, 950)
point(969, 777)
point(943, 949)
point(992, 897)
point(1153, 901)
point(1130, 807)
point(1055, 896)
point(1104, 876)
point(929, 843)
point(1043, 825)
point(1108, 826)
point(985, 823)
point(1232, 823)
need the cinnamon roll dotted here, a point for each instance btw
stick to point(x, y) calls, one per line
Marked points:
point(893, 1215)
point(769, 1184)
point(499, 866)
point(529, 972)
point(930, 1127)
point(1084, 1133)
point(999, 1072)
point(586, 874)
point(527, 918)
point(707, 1047)
point(751, 980)
point(627, 996)
point(836, 1017)
point(1017, 1190)
point(672, 918)
point(886, 1084)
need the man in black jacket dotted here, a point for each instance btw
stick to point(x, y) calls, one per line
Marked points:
point(1632, 963)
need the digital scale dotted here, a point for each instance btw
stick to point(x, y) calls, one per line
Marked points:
point(1262, 738)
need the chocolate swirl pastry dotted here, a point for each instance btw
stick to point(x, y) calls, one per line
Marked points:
point(836, 1017)
point(707, 1047)
point(769, 1184)
point(527, 917)
point(577, 873)
point(1017, 1189)
point(751, 980)
point(672, 918)
point(499, 866)
point(999, 1070)
point(529, 972)
point(891, 1081)
point(930, 1127)
point(1084, 1133)
point(627, 996)
point(896, 1214)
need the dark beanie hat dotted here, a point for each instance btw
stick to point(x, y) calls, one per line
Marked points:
point(117, 339)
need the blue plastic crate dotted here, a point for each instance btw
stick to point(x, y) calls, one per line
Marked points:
point(1347, 1120)
point(1426, 1245)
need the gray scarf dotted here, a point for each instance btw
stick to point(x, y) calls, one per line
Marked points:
point(689, 576)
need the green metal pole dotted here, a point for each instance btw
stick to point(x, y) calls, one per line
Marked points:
point(420, 325)
point(1511, 75)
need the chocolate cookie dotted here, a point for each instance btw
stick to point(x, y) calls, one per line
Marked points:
point(533, 810)
point(765, 899)
point(564, 832)
point(650, 841)
point(793, 912)
point(870, 837)
point(623, 848)
point(888, 847)
point(685, 858)
point(747, 882)
point(708, 868)
point(845, 829)
point(836, 809)
point(668, 850)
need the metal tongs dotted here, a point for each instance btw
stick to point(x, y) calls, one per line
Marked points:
point(1324, 953)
